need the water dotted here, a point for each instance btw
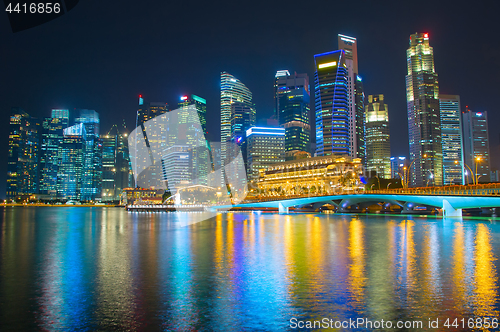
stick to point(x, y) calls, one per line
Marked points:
point(105, 269)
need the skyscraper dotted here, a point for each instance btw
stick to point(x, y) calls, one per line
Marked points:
point(476, 143)
point(292, 110)
point(201, 107)
point(332, 104)
point(359, 102)
point(116, 167)
point(378, 146)
point(92, 158)
point(231, 91)
point(266, 146)
point(149, 110)
point(52, 137)
point(355, 97)
point(22, 167)
point(71, 163)
point(422, 97)
point(242, 118)
point(451, 139)
point(146, 112)
point(189, 133)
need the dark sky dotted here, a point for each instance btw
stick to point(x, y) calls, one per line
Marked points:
point(102, 54)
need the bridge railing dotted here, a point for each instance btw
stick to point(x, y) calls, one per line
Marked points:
point(492, 189)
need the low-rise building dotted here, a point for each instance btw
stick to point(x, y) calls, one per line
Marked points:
point(318, 175)
point(141, 196)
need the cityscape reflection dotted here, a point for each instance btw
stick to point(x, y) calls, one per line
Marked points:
point(108, 269)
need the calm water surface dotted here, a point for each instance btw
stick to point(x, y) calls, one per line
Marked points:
point(106, 269)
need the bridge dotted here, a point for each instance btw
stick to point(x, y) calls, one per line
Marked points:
point(451, 203)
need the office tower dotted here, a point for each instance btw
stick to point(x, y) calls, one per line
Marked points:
point(189, 128)
point(92, 155)
point(116, 167)
point(355, 97)
point(378, 145)
point(149, 110)
point(52, 138)
point(201, 107)
point(232, 91)
point(146, 112)
point(22, 167)
point(422, 97)
point(71, 162)
point(242, 118)
point(176, 166)
point(476, 144)
point(266, 146)
point(292, 110)
point(359, 102)
point(397, 165)
point(332, 104)
point(451, 139)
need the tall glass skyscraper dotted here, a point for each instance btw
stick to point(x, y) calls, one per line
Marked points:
point(52, 138)
point(22, 167)
point(292, 110)
point(201, 107)
point(332, 104)
point(192, 137)
point(146, 112)
point(116, 168)
point(232, 91)
point(92, 159)
point(378, 145)
point(476, 143)
point(451, 139)
point(422, 96)
point(355, 97)
point(71, 163)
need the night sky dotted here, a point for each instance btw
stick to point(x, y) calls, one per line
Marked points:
point(102, 54)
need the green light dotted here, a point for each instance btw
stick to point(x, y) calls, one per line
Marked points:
point(201, 100)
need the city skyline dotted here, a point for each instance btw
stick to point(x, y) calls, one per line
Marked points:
point(383, 72)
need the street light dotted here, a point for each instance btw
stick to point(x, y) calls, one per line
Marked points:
point(431, 176)
point(407, 174)
point(477, 159)
point(474, 180)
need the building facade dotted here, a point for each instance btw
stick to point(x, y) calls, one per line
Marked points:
point(451, 139)
point(292, 96)
point(378, 145)
point(71, 155)
point(397, 167)
point(424, 125)
point(331, 104)
point(355, 97)
point(476, 144)
point(92, 159)
point(116, 167)
point(266, 146)
point(52, 137)
point(201, 107)
point(23, 155)
point(232, 91)
point(317, 175)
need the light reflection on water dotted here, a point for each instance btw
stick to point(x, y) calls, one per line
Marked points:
point(107, 269)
